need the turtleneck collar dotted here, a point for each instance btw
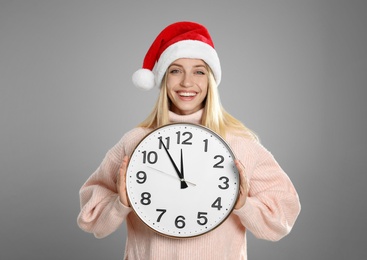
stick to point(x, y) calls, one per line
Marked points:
point(194, 118)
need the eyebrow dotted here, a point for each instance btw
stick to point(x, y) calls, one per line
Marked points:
point(195, 66)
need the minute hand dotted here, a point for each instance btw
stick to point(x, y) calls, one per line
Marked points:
point(182, 170)
point(180, 175)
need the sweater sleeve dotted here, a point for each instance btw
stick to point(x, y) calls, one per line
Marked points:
point(101, 209)
point(272, 205)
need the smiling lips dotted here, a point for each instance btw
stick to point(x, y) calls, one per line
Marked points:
point(186, 94)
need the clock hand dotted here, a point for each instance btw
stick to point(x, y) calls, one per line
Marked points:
point(183, 183)
point(182, 172)
point(170, 175)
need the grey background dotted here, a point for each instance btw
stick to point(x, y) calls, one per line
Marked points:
point(293, 71)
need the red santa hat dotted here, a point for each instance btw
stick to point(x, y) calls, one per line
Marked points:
point(178, 40)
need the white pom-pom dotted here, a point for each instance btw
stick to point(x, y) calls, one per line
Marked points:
point(144, 79)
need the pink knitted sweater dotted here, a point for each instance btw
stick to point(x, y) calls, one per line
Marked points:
point(269, 213)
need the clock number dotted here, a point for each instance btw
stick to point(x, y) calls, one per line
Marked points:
point(160, 142)
point(217, 203)
point(186, 141)
point(202, 219)
point(151, 157)
point(218, 164)
point(145, 198)
point(160, 215)
point(225, 183)
point(141, 177)
point(205, 145)
point(179, 222)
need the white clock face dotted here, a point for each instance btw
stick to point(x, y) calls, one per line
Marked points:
point(182, 180)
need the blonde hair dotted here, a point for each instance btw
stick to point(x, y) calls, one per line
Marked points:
point(215, 117)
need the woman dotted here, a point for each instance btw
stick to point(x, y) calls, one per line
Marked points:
point(182, 61)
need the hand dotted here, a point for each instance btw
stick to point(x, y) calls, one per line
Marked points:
point(121, 182)
point(183, 184)
point(180, 175)
point(170, 175)
point(243, 186)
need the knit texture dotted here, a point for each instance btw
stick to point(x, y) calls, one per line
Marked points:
point(270, 211)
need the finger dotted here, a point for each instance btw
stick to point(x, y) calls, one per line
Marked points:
point(123, 168)
point(122, 181)
point(125, 162)
point(243, 179)
point(239, 165)
point(243, 185)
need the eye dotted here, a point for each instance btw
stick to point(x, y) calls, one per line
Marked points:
point(200, 72)
point(174, 71)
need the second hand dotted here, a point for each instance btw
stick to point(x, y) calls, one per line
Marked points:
point(193, 184)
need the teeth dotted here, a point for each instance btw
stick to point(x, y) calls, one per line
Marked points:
point(187, 94)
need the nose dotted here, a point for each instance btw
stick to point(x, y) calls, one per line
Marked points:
point(187, 80)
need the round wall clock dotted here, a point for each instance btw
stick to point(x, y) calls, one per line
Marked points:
point(182, 181)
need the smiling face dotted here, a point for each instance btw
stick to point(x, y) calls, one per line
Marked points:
point(187, 85)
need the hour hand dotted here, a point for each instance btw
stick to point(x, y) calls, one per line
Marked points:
point(180, 176)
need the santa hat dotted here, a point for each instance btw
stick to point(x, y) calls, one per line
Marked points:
point(178, 40)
